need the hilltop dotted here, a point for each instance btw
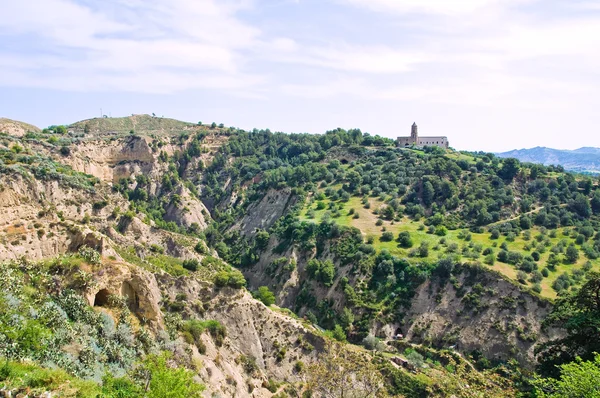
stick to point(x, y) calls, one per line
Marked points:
point(16, 128)
point(586, 160)
point(141, 124)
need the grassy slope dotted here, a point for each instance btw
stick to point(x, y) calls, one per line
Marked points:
point(138, 123)
point(9, 124)
point(367, 219)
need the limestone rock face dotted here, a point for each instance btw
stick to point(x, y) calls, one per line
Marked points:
point(253, 330)
point(138, 286)
point(264, 213)
point(110, 161)
point(505, 323)
point(189, 211)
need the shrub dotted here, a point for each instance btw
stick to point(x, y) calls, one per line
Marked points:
point(265, 295)
point(441, 230)
point(338, 333)
point(404, 240)
point(165, 381)
point(191, 264)
point(90, 255)
point(387, 237)
point(200, 248)
point(157, 249)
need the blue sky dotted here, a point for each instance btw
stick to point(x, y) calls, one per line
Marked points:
point(492, 75)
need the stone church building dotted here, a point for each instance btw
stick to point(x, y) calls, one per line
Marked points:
point(414, 139)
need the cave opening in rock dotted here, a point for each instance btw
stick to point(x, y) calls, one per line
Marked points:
point(101, 299)
point(133, 300)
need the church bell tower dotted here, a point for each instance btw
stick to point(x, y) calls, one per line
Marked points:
point(414, 133)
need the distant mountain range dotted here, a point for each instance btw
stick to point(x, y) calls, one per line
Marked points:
point(583, 160)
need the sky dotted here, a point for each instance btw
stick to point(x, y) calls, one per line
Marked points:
point(492, 75)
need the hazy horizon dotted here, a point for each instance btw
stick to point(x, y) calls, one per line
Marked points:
point(491, 75)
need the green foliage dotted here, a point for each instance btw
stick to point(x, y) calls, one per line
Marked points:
point(572, 254)
point(191, 264)
point(322, 271)
point(510, 168)
point(577, 379)
point(265, 295)
point(166, 382)
point(404, 239)
point(579, 314)
point(232, 278)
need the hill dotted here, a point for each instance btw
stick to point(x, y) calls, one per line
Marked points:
point(16, 128)
point(141, 124)
point(249, 256)
point(586, 160)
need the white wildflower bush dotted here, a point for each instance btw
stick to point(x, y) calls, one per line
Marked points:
point(43, 319)
point(90, 255)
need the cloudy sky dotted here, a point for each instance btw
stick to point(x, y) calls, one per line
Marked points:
point(490, 74)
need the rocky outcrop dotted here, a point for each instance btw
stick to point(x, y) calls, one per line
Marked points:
point(264, 213)
point(136, 285)
point(275, 342)
point(114, 159)
point(476, 310)
point(188, 211)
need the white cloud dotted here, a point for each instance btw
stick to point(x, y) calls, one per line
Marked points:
point(371, 59)
point(131, 45)
point(445, 7)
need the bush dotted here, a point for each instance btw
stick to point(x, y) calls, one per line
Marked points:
point(265, 295)
point(200, 248)
point(165, 381)
point(338, 333)
point(441, 230)
point(191, 264)
point(404, 240)
point(387, 237)
point(233, 278)
point(157, 249)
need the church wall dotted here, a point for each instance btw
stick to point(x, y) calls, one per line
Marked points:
point(438, 141)
point(404, 141)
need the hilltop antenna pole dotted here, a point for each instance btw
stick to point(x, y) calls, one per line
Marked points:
point(100, 113)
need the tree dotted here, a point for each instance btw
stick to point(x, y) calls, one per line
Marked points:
point(404, 240)
point(265, 295)
point(341, 372)
point(387, 236)
point(525, 222)
point(510, 168)
point(423, 250)
point(354, 179)
point(595, 203)
point(262, 239)
point(572, 254)
point(577, 379)
point(581, 205)
point(428, 193)
point(163, 381)
point(388, 212)
point(579, 315)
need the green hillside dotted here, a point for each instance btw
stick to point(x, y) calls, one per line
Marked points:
point(269, 257)
point(137, 123)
